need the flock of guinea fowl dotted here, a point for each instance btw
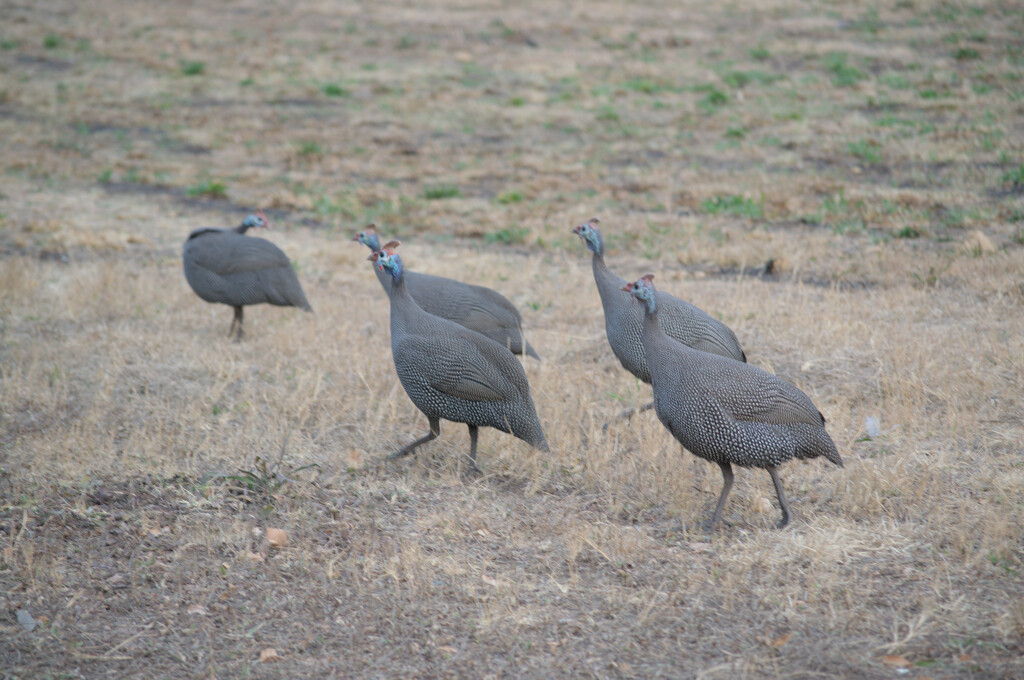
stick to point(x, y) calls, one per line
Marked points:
point(454, 347)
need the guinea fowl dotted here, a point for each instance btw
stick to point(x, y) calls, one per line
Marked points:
point(623, 320)
point(226, 266)
point(481, 309)
point(453, 373)
point(726, 411)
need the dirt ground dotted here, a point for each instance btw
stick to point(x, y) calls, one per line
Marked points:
point(841, 183)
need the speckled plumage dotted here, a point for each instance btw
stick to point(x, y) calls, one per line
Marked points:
point(229, 267)
point(726, 411)
point(453, 373)
point(477, 308)
point(623, 320)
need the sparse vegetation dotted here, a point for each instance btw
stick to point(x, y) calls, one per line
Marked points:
point(333, 90)
point(310, 147)
point(731, 204)
point(193, 68)
point(509, 235)
point(843, 74)
point(438, 192)
point(826, 178)
point(509, 197)
point(867, 150)
point(208, 188)
point(1015, 177)
point(713, 100)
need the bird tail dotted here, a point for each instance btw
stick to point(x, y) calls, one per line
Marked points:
point(530, 351)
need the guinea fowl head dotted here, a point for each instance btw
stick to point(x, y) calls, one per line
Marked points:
point(388, 260)
point(591, 235)
point(257, 220)
point(368, 237)
point(643, 290)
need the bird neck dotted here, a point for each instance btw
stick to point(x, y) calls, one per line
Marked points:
point(609, 286)
point(398, 289)
point(652, 328)
point(241, 228)
point(601, 271)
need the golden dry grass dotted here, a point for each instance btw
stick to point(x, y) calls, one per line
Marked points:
point(872, 154)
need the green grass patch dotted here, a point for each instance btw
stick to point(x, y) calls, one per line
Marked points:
point(733, 204)
point(438, 192)
point(1015, 177)
point(310, 147)
point(509, 197)
point(508, 235)
point(739, 79)
point(867, 150)
point(713, 100)
point(908, 232)
point(607, 113)
point(894, 80)
point(52, 42)
point(644, 86)
point(333, 90)
point(192, 68)
point(759, 53)
point(843, 74)
point(208, 188)
point(965, 53)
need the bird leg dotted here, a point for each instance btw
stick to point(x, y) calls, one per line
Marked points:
point(435, 429)
point(236, 324)
point(473, 432)
point(782, 498)
point(628, 413)
point(727, 475)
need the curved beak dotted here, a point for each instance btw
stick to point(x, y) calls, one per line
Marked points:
point(372, 257)
point(576, 229)
point(356, 237)
point(628, 287)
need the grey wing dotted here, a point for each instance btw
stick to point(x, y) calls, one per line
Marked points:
point(696, 328)
point(455, 366)
point(234, 253)
point(749, 393)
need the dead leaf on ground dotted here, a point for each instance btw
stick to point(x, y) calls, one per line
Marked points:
point(197, 609)
point(781, 640)
point(269, 654)
point(896, 661)
point(277, 537)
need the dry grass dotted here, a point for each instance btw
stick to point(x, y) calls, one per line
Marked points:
point(859, 150)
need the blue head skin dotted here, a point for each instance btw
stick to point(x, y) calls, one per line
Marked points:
point(387, 260)
point(643, 291)
point(368, 237)
point(255, 221)
point(591, 235)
